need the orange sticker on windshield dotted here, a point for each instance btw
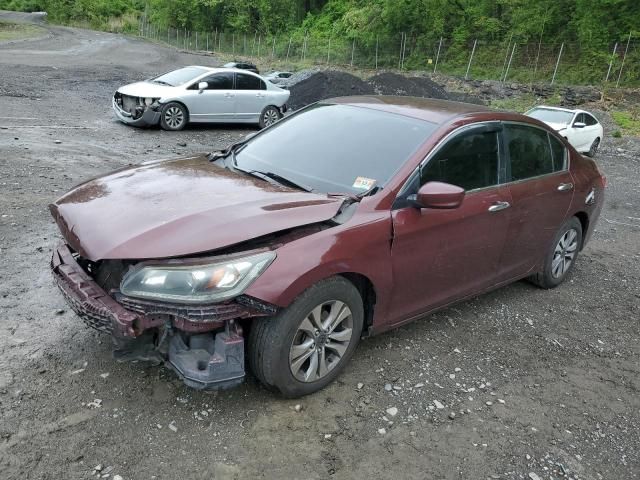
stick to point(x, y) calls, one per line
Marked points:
point(364, 183)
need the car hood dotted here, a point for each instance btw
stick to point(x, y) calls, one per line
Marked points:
point(179, 207)
point(147, 89)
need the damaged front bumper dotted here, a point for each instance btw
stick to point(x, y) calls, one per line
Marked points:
point(204, 344)
point(129, 110)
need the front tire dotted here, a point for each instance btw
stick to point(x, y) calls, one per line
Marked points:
point(173, 116)
point(562, 256)
point(304, 347)
point(269, 116)
point(594, 148)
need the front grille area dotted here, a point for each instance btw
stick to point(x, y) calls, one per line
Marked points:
point(193, 313)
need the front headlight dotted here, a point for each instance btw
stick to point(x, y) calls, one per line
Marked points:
point(205, 283)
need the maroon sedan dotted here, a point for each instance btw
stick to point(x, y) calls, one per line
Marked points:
point(351, 217)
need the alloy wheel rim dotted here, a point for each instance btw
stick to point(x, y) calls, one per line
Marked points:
point(564, 253)
point(321, 341)
point(174, 117)
point(270, 117)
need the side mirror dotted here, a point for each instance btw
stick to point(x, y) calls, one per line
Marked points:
point(579, 125)
point(203, 86)
point(437, 195)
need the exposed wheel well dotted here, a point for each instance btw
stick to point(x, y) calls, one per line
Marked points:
point(584, 222)
point(368, 294)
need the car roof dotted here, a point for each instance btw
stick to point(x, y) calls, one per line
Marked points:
point(224, 69)
point(429, 109)
point(559, 109)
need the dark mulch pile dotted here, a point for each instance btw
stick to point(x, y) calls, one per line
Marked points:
point(322, 85)
point(308, 87)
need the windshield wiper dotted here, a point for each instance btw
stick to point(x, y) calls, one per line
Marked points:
point(270, 176)
point(231, 149)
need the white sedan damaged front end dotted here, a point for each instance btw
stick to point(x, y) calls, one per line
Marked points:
point(137, 111)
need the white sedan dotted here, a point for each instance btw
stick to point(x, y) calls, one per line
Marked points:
point(580, 128)
point(200, 95)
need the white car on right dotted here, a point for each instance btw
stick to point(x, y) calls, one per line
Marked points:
point(582, 129)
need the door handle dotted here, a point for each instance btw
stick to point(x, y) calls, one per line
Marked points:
point(229, 95)
point(563, 187)
point(496, 207)
point(259, 95)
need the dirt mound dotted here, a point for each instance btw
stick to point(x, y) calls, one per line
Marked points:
point(395, 84)
point(326, 84)
point(309, 86)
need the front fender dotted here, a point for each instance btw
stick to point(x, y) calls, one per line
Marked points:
point(363, 249)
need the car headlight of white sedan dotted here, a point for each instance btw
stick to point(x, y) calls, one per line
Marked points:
point(195, 283)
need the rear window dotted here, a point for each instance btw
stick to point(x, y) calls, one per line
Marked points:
point(529, 151)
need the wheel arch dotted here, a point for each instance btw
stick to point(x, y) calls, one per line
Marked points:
point(368, 294)
point(583, 217)
point(184, 105)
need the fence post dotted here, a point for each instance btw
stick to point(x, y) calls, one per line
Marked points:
point(377, 42)
point(509, 64)
point(273, 48)
point(196, 40)
point(289, 48)
point(233, 44)
point(555, 70)
point(404, 51)
point(437, 55)
point(623, 59)
point(304, 46)
point(220, 41)
point(506, 56)
point(613, 55)
point(353, 50)
point(473, 50)
point(401, 45)
point(259, 40)
point(329, 51)
point(535, 68)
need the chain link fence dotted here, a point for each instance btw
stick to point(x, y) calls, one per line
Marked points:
point(537, 62)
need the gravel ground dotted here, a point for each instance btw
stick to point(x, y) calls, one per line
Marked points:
point(520, 383)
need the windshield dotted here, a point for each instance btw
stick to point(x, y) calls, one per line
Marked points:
point(180, 76)
point(336, 148)
point(551, 116)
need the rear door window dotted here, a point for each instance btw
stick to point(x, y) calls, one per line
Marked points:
point(469, 160)
point(529, 152)
point(248, 82)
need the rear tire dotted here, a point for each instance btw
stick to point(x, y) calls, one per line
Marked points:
point(288, 352)
point(562, 255)
point(174, 116)
point(269, 116)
